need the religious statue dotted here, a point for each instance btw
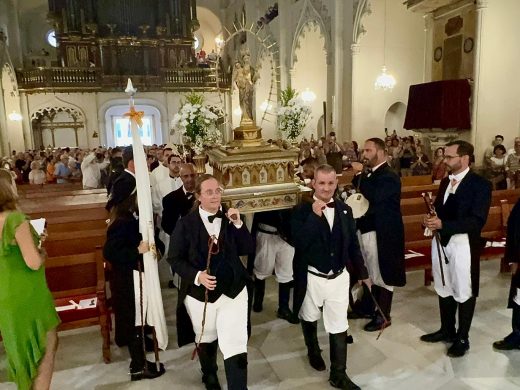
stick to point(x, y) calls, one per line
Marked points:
point(245, 77)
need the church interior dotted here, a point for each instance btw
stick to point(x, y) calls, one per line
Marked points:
point(436, 70)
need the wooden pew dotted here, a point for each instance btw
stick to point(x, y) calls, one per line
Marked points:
point(416, 191)
point(422, 180)
point(31, 188)
point(74, 242)
point(38, 195)
point(78, 277)
point(415, 240)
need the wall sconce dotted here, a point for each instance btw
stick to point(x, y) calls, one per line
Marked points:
point(308, 96)
point(15, 117)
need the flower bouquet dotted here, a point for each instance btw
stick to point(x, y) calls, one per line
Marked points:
point(197, 123)
point(293, 114)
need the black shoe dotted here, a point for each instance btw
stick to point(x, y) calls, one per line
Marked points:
point(350, 339)
point(459, 348)
point(316, 361)
point(149, 371)
point(376, 325)
point(438, 336)
point(510, 342)
point(211, 382)
point(342, 381)
point(288, 315)
point(258, 307)
point(354, 315)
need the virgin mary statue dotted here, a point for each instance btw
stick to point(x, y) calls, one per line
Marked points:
point(245, 77)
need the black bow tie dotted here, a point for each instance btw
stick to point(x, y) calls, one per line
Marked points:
point(219, 214)
point(368, 171)
point(189, 195)
point(330, 204)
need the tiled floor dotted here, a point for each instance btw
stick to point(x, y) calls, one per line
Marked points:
point(277, 355)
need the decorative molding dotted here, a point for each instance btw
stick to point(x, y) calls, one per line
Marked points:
point(7, 68)
point(363, 8)
point(481, 4)
point(75, 113)
point(317, 15)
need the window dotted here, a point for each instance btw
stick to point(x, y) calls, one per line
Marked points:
point(50, 37)
point(198, 41)
point(123, 132)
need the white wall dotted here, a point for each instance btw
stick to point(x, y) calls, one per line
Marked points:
point(498, 109)
point(404, 60)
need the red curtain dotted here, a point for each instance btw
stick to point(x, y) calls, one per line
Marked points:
point(439, 104)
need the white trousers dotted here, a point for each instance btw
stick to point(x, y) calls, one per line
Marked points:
point(368, 246)
point(517, 297)
point(457, 273)
point(273, 254)
point(332, 296)
point(226, 320)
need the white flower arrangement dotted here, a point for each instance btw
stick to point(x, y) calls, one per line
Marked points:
point(198, 123)
point(293, 114)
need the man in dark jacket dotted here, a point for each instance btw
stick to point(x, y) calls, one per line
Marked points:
point(327, 253)
point(462, 206)
point(210, 229)
point(381, 229)
point(512, 341)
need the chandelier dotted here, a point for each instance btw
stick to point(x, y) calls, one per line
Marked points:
point(384, 81)
point(14, 116)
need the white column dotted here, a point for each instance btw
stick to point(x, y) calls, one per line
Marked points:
point(284, 44)
point(428, 47)
point(480, 8)
point(354, 125)
point(339, 124)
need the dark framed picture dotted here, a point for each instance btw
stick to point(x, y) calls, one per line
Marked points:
point(468, 45)
point(437, 54)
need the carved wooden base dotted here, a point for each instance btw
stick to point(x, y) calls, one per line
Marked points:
point(245, 136)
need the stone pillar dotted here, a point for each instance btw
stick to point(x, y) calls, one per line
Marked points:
point(428, 47)
point(354, 122)
point(338, 115)
point(481, 5)
point(285, 45)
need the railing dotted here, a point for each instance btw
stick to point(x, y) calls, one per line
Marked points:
point(88, 79)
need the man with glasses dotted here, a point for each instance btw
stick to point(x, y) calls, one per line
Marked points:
point(462, 206)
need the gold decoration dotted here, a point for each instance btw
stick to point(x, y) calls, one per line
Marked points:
point(136, 116)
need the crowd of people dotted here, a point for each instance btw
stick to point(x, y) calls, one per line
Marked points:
point(217, 292)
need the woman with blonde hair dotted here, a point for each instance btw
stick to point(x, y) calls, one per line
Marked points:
point(30, 338)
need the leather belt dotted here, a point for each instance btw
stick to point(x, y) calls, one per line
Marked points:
point(325, 276)
point(267, 229)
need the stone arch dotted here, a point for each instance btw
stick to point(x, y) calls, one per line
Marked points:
point(394, 118)
point(316, 15)
point(153, 105)
point(12, 136)
point(362, 8)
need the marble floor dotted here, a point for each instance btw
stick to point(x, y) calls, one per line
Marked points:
point(277, 355)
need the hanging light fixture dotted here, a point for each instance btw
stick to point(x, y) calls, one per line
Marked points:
point(384, 81)
point(14, 116)
point(308, 96)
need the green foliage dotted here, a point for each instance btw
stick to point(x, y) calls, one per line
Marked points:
point(286, 95)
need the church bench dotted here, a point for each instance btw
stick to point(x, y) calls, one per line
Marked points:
point(52, 187)
point(407, 181)
point(416, 242)
point(80, 277)
point(416, 191)
point(74, 242)
point(57, 202)
point(38, 195)
point(78, 212)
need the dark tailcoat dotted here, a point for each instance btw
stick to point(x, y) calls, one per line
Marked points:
point(175, 206)
point(120, 250)
point(122, 188)
point(311, 238)
point(188, 253)
point(513, 247)
point(382, 189)
point(465, 211)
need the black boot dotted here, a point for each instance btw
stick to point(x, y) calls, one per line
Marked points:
point(259, 295)
point(384, 300)
point(208, 365)
point(338, 362)
point(140, 368)
point(448, 309)
point(512, 340)
point(284, 293)
point(461, 344)
point(310, 335)
point(236, 371)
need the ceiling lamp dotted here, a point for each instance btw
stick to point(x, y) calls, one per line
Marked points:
point(308, 96)
point(384, 81)
point(14, 116)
